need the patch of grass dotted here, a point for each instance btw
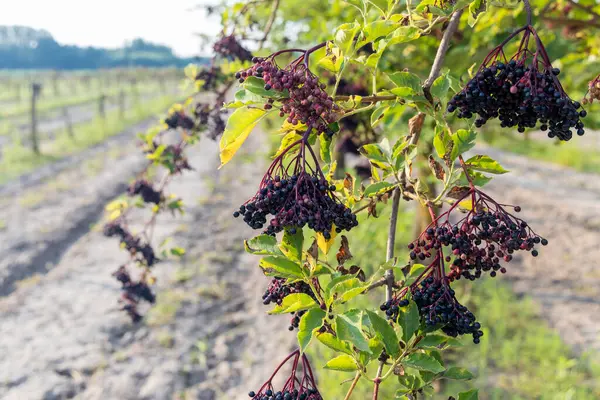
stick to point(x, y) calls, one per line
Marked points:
point(520, 357)
point(31, 199)
point(165, 339)
point(166, 307)
point(183, 275)
point(568, 154)
point(18, 160)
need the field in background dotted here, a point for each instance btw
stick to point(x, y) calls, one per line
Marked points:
point(47, 115)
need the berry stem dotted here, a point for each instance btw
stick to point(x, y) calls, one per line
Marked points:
point(529, 12)
point(466, 171)
point(354, 382)
point(269, 25)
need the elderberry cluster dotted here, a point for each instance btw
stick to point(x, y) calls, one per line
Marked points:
point(146, 191)
point(520, 95)
point(229, 47)
point(392, 307)
point(295, 202)
point(478, 243)
point(310, 394)
point(211, 77)
point(132, 293)
point(278, 290)
point(143, 252)
point(438, 306)
point(306, 100)
point(179, 120)
point(211, 117)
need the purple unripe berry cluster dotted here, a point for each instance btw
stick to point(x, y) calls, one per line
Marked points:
point(143, 251)
point(146, 191)
point(230, 48)
point(307, 102)
point(297, 201)
point(520, 95)
point(179, 120)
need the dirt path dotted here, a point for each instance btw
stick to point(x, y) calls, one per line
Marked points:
point(564, 206)
point(63, 337)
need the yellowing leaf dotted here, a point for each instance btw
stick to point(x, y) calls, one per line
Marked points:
point(325, 244)
point(239, 126)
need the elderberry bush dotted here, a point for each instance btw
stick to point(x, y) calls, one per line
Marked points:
point(143, 252)
point(297, 201)
point(303, 97)
point(521, 93)
point(593, 91)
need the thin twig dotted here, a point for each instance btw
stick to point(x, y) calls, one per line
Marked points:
point(269, 24)
point(441, 54)
point(354, 382)
point(529, 12)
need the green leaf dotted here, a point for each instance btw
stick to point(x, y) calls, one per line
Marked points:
point(478, 179)
point(239, 126)
point(309, 322)
point(342, 363)
point(459, 374)
point(406, 80)
point(325, 148)
point(485, 164)
point(408, 319)
point(386, 333)
point(291, 245)
point(294, 302)
point(286, 142)
point(348, 289)
point(263, 245)
point(432, 341)
point(378, 114)
point(350, 331)
point(281, 267)
point(423, 362)
point(376, 155)
point(404, 34)
point(334, 343)
point(415, 271)
point(377, 188)
point(476, 9)
point(464, 140)
point(472, 394)
point(178, 251)
point(377, 29)
point(344, 36)
point(257, 86)
point(440, 86)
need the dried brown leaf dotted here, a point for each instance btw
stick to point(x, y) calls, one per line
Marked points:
point(343, 253)
point(458, 192)
point(437, 168)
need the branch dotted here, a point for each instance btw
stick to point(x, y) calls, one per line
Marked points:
point(572, 22)
point(368, 99)
point(269, 24)
point(584, 8)
point(528, 11)
point(354, 382)
point(441, 54)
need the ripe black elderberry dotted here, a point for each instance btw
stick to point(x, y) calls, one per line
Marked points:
point(143, 252)
point(297, 201)
point(211, 77)
point(179, 120)
point(229, 47)
point(146, 191)
point(300, 385)
point(438, 306)
point(303, 97)
point(487, 236)
point(278, 290)
point(133, 293)
point(520, 92)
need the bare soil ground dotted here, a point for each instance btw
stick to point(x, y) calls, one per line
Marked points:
point(208, 337)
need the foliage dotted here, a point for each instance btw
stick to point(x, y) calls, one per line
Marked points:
point(308, 210)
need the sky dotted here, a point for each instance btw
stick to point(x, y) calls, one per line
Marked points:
point(109, 23)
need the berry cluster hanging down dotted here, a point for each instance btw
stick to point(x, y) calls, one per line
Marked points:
point(143, 188)
point(302, 97)
point(302, 198)
point(229, 47)
point(278, 289)
point(479, 242)
point(299, 385)
point(521, 92)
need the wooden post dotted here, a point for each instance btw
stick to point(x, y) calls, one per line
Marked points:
point(101, 110)
point(122, 104)
point(68, 123)
point(36, 88)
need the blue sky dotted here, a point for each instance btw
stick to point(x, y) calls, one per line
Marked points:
point(108, 23)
